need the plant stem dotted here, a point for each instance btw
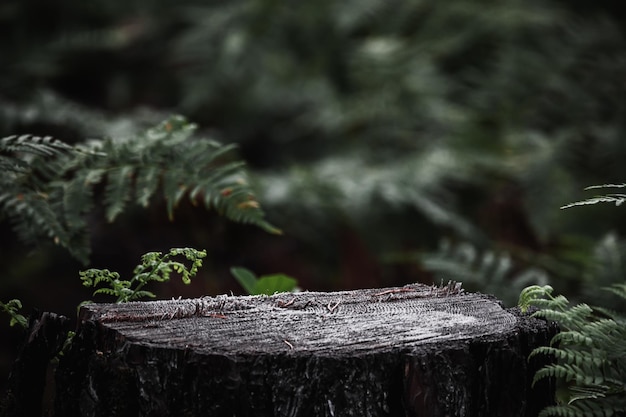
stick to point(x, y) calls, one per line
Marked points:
point(143, 282)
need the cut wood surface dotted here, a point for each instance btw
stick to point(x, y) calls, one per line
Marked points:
point(408, 351)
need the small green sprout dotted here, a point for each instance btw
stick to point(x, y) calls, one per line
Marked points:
point(155, 266)
point(12, 308)
point(532, 295)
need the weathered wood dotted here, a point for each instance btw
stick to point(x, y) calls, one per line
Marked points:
point(27, 380)
point(410, 351)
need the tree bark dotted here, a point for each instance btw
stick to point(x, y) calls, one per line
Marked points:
point(409, 351)
point(27, 381)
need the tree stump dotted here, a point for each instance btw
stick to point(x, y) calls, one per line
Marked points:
point(410, 351)
point(27, 381)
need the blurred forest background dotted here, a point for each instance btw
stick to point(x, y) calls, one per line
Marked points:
point(391, 141)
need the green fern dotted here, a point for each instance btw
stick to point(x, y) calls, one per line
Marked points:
point(12, 308)
point(154, 267)
point(607, 264)
point(589, 355)
point(28, 164)
point(614, 198)
point(47, 187)
point(486, 271)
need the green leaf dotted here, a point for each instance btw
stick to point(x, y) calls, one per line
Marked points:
point(246, 278)
point(12, 308)
point(118, 191)
point(270, 284)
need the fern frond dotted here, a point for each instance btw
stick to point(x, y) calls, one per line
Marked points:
point(580, 358)
point(612, 314)
point(35, 145)
point(105, 291)
point(48, 185)
point(587, 392)
point(173, 189)
point(590, 376)
point(78, 200)
point(138, 295)
point(33, 192)
point(184, 166)
point(550, 304)
point(614, 198)
point(569, 410)
point(554, 310)
point(565, 372)
point(609, 336)
point(578, 316)
point(210, 152)
point(12, 308)
point(588, 358)
point(571, 337)
point(147, 183)
point(617, 289)
point(154, 266)
point(487, 270)
point(33, 217)
point(594, 187)
point(12, 166)
point(118, 190)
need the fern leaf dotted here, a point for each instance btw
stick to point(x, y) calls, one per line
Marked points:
point(93, 176)
point(572, 337)
point(570, 410)
point(210, 153)
point(173, 189)
point(31, 197)
point(10, 165)
point(609, 336)
point(36, 145)
point(137, 295)
point(554, 315)
point(552, 304)
point(571, 373)
point(615, 198)
point(118, 191)
point(33, 217)
point(578, 316)
point(56, 182)
point(105, 291)
point(612, 314)
point(183, 165)
point(587, 393)
point(77, 200)
point(561, 371)
point(147, 183)
point(617, 289)
point(580, 358)
point(589, 355)
point(486, 270)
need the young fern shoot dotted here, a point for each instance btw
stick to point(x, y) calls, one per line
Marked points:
point(12, 308)
point(154, 267)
